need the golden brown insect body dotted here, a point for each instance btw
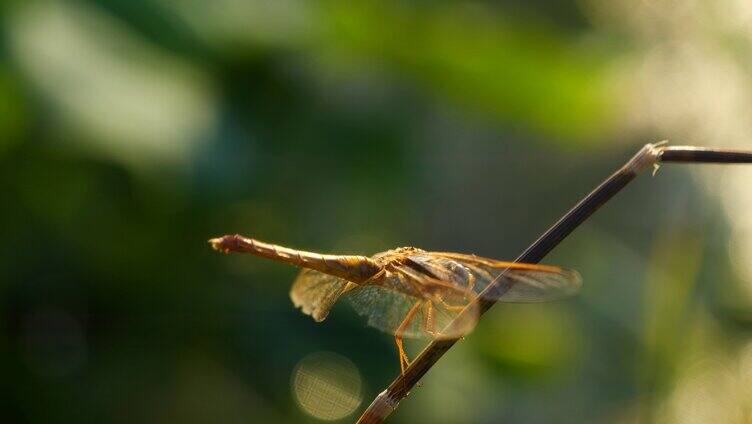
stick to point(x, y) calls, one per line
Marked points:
point(357, 269)
point(407, 292)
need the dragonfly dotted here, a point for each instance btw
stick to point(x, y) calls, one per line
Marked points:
point(409, 292)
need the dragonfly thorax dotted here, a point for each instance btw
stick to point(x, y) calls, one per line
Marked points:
point(400, 252)
point(409, 270)
point(442, 269)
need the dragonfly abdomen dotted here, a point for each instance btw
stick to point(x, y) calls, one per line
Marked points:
point(356, 269)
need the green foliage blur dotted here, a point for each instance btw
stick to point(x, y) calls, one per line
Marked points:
point(133, 131)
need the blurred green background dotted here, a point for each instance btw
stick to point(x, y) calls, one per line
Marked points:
point(131, 131)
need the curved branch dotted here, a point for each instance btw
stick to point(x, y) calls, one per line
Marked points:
point(649, 156)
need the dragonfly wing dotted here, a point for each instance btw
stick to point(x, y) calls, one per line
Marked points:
point(387, 309)
point(383, 309)
point(529, 286)
point(315, 293)
point(520, 283)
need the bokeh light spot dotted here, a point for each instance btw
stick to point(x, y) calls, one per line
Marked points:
point(327, 386)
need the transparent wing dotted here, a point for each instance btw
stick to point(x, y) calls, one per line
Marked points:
point(522, 283)
point(315, 293)
point(531, 286)
point(422, 318)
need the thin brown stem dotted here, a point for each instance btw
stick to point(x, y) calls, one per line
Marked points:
point(646, 158)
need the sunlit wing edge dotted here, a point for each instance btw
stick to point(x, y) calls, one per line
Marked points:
point(527, 283)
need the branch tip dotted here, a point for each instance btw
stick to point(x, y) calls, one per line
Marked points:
point(647, 157)
point(656, 167)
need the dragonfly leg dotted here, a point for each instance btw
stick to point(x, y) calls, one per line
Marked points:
point(470, 286)
point(438, 297)
point(375, 277)
point(404, 362)
point(448, 307)
point(429, 323)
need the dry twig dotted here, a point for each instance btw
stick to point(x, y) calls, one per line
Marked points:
point(650, 156)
